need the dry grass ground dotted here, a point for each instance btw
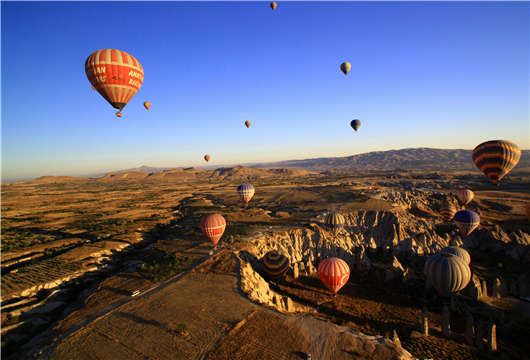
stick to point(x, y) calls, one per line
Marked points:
point(61, 222)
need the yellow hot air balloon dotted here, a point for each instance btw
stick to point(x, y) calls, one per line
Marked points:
point(147, 105)
point(345, 67)
point(207, 157)
point(273, 5)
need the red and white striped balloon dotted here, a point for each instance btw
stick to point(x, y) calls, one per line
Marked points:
point(213, 226)
point(334, 273)
point(465, 196)
point(116, 75)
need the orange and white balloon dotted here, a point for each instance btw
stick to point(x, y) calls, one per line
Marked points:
point(334, 273)
point(213, 226)
point(116, 75)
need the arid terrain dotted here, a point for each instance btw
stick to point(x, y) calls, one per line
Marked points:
point(74, 250)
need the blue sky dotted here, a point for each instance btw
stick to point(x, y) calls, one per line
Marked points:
point(444, 75)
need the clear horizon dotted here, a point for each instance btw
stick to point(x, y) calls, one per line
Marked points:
point(103, 172)
point(434, 75)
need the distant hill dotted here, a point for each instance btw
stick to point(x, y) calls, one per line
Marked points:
point(228, 173)
point(58, 179)
point(239, 172)
point(420, 159)
point(144, 168)
point(404, 159)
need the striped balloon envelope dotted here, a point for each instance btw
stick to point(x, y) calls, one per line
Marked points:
point(465, 196)
point(334, 221)
point(447, 273)
point(275, 265)
point(496, 158)
point(334, 273)
point(457, 251)
point(467, 221)
point(116, 75)
point(246, 192)
point(213, 226)
point(448, 211)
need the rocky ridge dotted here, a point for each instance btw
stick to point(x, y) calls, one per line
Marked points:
point(410, 229)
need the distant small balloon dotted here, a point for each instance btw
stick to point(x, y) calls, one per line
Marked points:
point(345, 67)
point(448, 211)
point(246, 192)
point(334, 222)
point(467, 221)
point(248, 123)
point(207, 157)
point(334, 273)
point(118, 114)
point(355, 124)
point(147, 105)
point(275, 265)
point(213, 226)
point(273, 5)
point(465, 196)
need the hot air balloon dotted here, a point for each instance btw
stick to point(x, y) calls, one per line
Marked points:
point(213, 226)
point(247, 123)
point(496, 158)
point(448, 211)
point(447, 273)
point(273, 5)
point(246, 192)
point(93, 88)
point(275, 265)
point(147, 105)
point(334, 273)
point(118, 114)
point(457, 251)
point(345, 67)
point(465, 196)
point(207, 157)
point(355, 124)
point(116, 75)
point(467, 221)
point(334, 222)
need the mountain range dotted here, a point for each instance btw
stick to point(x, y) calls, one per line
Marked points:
point(404, 159)
point(419, 159)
